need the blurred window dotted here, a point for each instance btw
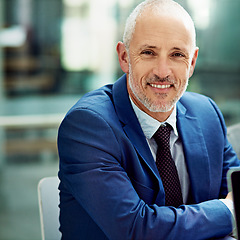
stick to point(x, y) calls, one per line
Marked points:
point(54, 51)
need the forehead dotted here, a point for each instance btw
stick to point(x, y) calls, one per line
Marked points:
point(159, 30)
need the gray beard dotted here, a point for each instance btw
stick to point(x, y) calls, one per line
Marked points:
point(147, 103)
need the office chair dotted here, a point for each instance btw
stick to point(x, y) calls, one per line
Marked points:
point(233, 133)
point(48, 196)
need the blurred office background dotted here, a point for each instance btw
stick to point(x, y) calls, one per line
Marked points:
point(54, 51)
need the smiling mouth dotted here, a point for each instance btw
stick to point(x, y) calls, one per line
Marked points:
point(160, 86)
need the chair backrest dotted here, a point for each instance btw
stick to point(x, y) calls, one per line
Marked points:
point(48, 196)
point(233, 133)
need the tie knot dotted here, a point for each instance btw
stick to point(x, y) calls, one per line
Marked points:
point(162, 135)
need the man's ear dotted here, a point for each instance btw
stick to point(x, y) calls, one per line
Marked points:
point(193, 63)
point(123, 57)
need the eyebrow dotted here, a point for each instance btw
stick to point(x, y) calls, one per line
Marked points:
point(179, 49)
point(147, 46)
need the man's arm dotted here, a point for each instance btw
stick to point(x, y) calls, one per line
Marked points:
point(91, 155)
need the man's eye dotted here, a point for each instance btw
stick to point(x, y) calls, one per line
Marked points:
point(147, 52)
point(178, 54)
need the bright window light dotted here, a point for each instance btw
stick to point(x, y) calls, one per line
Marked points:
point(72, 3)
point(88, 38)
point(12, 37)
point(200, 12)
point(125, 3)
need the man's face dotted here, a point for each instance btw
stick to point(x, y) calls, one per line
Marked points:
point(161, 58)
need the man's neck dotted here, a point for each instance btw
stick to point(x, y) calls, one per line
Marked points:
point(159, 116)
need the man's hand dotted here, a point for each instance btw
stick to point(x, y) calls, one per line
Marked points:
point(229, 196)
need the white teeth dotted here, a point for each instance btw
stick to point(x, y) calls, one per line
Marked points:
point(160, 86)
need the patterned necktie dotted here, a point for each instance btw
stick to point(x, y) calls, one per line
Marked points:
point(167, 168)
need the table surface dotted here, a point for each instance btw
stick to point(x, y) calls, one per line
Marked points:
point(226, 238)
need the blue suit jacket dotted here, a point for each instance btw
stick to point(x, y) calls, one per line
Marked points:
point(110, 187)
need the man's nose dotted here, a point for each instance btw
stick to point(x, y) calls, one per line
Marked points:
point(162, 68)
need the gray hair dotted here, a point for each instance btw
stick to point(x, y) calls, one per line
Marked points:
point(161, 6)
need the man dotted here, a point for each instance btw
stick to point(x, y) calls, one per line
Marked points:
point(111, 187)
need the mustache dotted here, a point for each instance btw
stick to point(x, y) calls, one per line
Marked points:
point(157, 79)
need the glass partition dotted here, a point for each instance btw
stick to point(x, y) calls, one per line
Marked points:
point(54, 51)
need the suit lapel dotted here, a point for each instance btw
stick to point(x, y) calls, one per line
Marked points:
point(130, 123)
point(194, 145)
point(196, 153)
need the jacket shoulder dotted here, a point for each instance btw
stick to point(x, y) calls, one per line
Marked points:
point(197, 102)
point(99, 100)
point(188, 97)
point(203, 108)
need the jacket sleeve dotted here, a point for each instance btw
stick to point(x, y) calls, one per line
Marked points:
point(90, 167)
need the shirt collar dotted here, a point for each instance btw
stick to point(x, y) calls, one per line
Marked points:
point(150, 125)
